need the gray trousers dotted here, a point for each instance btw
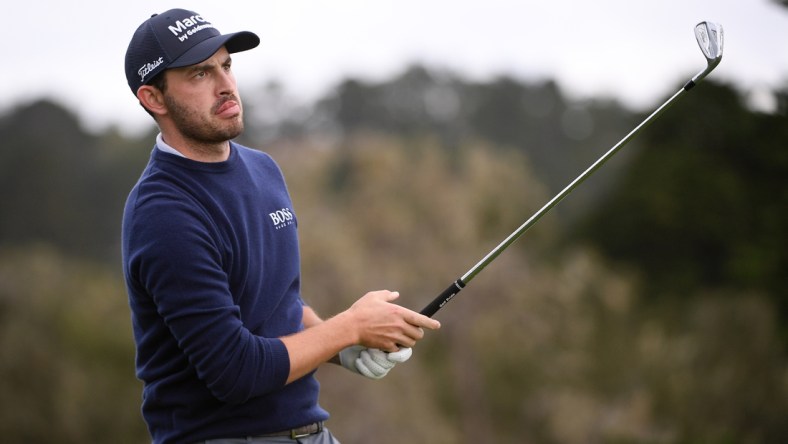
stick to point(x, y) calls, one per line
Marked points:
point(324, 437)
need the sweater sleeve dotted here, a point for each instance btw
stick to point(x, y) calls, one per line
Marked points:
point(174, 258)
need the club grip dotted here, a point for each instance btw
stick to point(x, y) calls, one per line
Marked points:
point(443, 298)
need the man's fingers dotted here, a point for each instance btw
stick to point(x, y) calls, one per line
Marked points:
point(380, 358)
point(419, 320)
point(386, 295)
point(367, 372)
point(400, 356)
point(388, 326)
point(373, 363)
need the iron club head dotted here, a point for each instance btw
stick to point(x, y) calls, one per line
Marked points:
point(710, 40)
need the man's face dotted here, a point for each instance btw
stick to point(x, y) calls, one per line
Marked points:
point(202, 100)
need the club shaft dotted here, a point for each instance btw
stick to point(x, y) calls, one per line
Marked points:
point(460, 283)
point(710, 38)
point(568, 189)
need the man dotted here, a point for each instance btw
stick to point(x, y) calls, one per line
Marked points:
point(226, 348)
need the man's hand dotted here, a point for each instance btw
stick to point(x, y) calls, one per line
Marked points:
point(371, 362)
point(380, 324)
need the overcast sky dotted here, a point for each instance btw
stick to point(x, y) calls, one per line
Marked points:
point(635, 51)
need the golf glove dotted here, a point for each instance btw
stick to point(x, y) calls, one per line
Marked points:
point(371, 362)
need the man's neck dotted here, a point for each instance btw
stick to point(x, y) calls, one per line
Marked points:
point(194, 150)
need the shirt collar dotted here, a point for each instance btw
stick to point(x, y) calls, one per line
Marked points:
point(162, 145)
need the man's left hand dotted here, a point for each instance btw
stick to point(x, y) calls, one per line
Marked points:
point(371, 362)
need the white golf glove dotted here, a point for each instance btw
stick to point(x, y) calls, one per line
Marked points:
point(371, 362)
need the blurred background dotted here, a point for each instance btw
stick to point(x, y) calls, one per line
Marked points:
point(648, 307)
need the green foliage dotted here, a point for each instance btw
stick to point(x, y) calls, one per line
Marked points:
point(563, 339)
point(530, 351)
point(64, 186)
point(66, 354)
point(560, 138)
point(704, 203)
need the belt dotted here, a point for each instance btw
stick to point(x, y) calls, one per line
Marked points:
point(298, 432)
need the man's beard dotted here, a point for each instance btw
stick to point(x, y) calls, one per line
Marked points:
point(199, 129)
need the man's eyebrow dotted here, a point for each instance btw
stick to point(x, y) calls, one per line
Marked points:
point(199, 67)
point(207, 66)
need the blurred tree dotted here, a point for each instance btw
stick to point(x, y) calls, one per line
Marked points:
point(782, 101)
point(273, 114)
point(66, 353)
point(46, 160)
point(418, 182)
point(704, 204)
point(533, 350)
point(560, 137)
point(68, 186)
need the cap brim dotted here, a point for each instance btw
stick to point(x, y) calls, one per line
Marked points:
point(235, 42)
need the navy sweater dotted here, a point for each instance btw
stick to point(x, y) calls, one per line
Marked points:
point(211, 261)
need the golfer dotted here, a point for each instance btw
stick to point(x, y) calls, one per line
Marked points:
point(226, 346)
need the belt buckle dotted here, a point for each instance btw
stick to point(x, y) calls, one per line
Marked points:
point(295, 435)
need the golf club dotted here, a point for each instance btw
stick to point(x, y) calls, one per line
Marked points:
point(710, 39)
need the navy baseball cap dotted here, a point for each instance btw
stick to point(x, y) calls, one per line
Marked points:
point(174, 39)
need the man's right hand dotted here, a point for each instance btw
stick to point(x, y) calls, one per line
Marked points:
point(383, 325)
point(372, 322)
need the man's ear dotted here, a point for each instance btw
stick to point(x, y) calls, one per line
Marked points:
point(152, 99)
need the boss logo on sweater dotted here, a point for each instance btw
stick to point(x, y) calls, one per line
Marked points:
point(282, 218)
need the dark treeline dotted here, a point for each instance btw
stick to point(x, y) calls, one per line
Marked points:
point(648, 307)
point(65, 187)
point(705, 203)
point(701, 201)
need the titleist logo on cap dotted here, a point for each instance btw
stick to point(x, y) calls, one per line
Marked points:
point(149, 67)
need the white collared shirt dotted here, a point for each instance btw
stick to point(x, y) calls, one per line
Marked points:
point(162, 145)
